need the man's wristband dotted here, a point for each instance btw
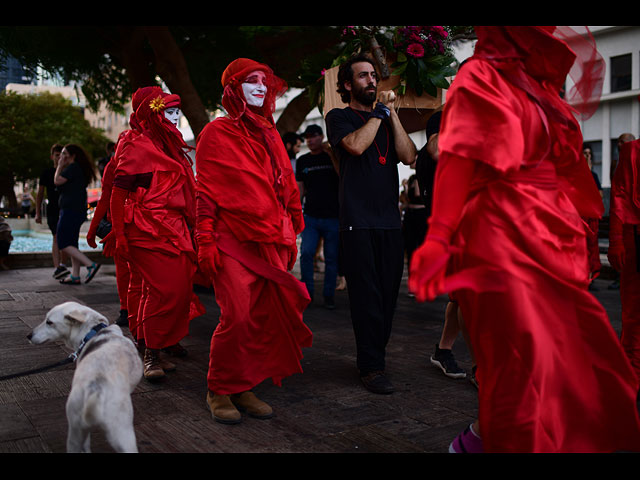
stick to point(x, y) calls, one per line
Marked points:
point(380, 111)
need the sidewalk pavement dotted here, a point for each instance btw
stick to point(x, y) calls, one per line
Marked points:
point(323, 410)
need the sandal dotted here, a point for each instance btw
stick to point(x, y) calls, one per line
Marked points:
point(71, 280)
point(91, 272)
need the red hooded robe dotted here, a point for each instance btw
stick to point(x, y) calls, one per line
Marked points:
point(246, 189)
point(155, 176)
point(552, 374)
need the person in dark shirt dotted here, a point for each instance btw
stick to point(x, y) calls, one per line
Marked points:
point(292, 143)
point(426, 164)
point(318, 183)
point(73, 175)
point(47, 186)
point(369, 141)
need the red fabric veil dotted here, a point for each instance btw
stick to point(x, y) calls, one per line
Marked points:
point(148, 105)
point(267, 186)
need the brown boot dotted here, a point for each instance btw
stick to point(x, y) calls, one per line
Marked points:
point(222, 410)
point(252, 404)
point(152, 369)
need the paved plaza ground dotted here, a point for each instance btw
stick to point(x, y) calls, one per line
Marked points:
point(323, 410)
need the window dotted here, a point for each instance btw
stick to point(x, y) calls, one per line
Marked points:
point(621, 73)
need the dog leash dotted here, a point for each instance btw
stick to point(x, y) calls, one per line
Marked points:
point(70, 359)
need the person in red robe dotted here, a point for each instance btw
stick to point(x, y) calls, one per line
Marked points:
point(248, 216)
point(506, 236)
point(153, 211)
point(624, 244)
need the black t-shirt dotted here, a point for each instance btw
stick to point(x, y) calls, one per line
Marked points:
point(320, 184)
point(46, 180)
point(73, 193)
point(369, 190)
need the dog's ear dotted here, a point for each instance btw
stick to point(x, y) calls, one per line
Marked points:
point(75, 316)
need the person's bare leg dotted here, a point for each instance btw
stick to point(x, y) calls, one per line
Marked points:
point(78, 259)
point(55, 253)
point(451, 327)
point(465, 334)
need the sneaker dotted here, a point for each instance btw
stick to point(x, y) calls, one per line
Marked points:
point(445, 360)
point(376, 382)
point(467, 441)
point(615, 285)
point(61, 272)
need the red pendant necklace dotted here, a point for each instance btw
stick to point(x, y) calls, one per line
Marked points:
point(382, 159)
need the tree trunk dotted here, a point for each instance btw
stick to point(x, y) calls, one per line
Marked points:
point(172, 68)
point(294, 113)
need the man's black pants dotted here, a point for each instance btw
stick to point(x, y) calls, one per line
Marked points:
point(373, 262)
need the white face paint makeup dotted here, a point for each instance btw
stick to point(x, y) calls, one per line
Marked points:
point(172, 114)
point(254, 88)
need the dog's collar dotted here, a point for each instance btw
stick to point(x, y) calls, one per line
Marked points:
point(92, 333)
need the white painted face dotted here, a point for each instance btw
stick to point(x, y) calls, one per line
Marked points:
point(254, 88)
point(172, 114)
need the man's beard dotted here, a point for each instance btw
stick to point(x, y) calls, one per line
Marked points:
point(363, 96)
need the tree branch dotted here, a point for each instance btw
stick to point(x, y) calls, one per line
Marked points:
point(172, 68)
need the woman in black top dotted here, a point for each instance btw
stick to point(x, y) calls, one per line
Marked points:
point(73, 175)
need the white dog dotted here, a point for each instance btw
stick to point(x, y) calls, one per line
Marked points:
point(107, 371)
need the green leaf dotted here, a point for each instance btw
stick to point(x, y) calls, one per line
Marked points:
point(431, 89)
point(440, 81)
point(400, 70)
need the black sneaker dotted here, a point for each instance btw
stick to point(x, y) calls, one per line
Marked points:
point(61, 272)
point(376, 382)
point(445, 360)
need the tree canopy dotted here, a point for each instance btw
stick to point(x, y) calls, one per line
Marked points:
point(111, 62)
point(30, 125)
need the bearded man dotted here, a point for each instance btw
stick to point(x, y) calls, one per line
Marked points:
point(369, 141)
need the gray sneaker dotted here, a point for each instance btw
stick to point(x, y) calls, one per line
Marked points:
point(445, 360)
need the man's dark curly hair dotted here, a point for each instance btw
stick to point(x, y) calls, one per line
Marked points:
point(345, 74)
